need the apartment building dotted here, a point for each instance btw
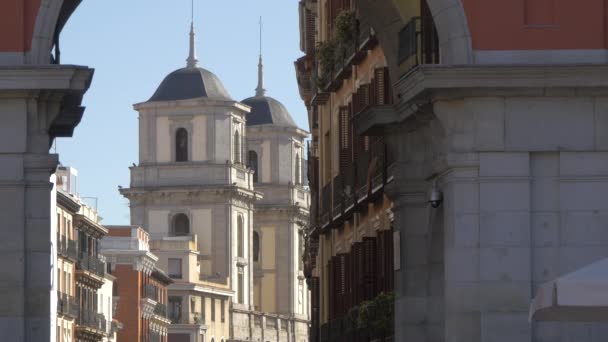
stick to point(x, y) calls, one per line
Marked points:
point(140, 286)
point(349, 259)
point(80, 267)
point(495, 123)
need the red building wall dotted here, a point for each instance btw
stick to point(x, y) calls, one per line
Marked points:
point(537, 24)
point(128, 310)
point(17, 20)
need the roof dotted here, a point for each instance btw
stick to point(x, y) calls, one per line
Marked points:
point(190, 83)
point(267, 111)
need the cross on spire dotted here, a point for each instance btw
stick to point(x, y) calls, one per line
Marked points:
point(260, 91)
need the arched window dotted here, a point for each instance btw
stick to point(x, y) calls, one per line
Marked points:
point(239, 237)
point(181, 225)
point(298, 169)
point(253, 164)
point(256, 246)
point(181, 145)
point(237, 147)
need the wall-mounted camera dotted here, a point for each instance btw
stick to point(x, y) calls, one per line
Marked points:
point(435, 196)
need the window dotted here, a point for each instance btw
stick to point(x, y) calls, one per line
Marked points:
point(181, 225)
point(203, 313)
point(222, 313)
point(175, 268)
point(298, 169)
point(237, 147)
point(181, 145)
point(175, 309)
point(212, 309)
point(239, 236)
point(253, 165)
point(256, 247)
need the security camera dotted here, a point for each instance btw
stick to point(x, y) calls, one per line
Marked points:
point(435, 197)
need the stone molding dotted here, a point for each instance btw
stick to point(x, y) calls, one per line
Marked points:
point(427, 82)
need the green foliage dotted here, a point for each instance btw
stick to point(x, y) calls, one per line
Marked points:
point(333, 52)
point(345, 29)
point(376, 315)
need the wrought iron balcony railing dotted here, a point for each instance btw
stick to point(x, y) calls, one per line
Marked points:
point(91, 319)
point(150, 291)
point(67, 305)
point(92, 264)
point(161, 310)
point(418, 43)
point(66, 247)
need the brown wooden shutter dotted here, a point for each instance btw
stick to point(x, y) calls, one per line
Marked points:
point(310, 32)
point(344, 139)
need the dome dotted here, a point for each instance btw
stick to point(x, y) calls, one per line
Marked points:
point(190, 83)
point(267, 111)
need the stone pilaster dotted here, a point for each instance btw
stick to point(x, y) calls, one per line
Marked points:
point(36, 105)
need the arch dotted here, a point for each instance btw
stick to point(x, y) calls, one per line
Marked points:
point(180, 225)
point(256, 246)
point(298, 170)
point(253, 164)
point(450, 20)
point(240, 246)
point(237, 147)
point(181, 145)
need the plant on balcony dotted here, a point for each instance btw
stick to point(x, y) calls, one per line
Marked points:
point(377, 315)
point(345, 35)
point(326, 53)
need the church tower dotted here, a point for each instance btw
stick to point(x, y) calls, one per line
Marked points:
point(275, 153)
point(194, 194)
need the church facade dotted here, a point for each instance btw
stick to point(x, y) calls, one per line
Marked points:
point(219, 189)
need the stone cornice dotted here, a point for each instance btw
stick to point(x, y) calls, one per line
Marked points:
point(64, 200)
point(201, 102)
point(83, 223)
point(428, 82)
point(56, 77)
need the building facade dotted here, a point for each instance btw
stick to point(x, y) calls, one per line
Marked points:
point(66, 207)
point(349, 260)
point(140, 287)
point(496, 125)
point(275, 154)
point(79, 266)
point(40, 99)
point(195, 191)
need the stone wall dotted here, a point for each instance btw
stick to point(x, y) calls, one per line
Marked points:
point(523, 178)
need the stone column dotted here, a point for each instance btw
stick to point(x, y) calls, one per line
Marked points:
point(413, 303)
point(37, 104)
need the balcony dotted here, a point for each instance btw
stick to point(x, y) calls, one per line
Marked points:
point(418, 43)
point(373, 104)
point(88, 319)
point(160, 310)
point(66, 247)
point(151, 292)
point(91, 264)
point(67, 305)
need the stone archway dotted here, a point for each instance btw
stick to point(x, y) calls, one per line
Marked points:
point(450, 19)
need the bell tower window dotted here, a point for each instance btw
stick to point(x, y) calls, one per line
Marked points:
point(181, 145)
point(256, 247)
point(253, 165)
point(181, 225)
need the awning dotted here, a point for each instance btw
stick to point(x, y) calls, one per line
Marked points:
point(578, 296)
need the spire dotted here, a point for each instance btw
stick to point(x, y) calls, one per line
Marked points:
point(259, 91)
point(192, 61)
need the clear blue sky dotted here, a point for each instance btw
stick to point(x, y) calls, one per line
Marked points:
point(134, 44)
